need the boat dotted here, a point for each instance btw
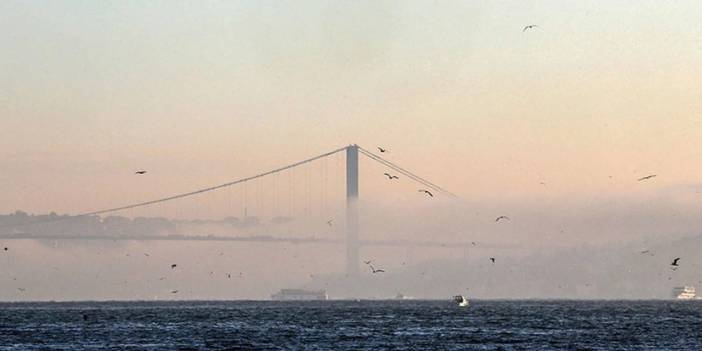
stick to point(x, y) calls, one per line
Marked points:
point(300, 295)
point(684, 293)
point(401, 296)
point(460, 300)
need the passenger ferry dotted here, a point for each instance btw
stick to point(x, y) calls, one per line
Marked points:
point(684, 293)
point(300, 295)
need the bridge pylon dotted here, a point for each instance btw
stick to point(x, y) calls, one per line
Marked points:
point(352, 226)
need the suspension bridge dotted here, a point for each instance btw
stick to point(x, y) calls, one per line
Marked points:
point(30, 229)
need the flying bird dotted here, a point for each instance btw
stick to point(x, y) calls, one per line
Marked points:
point(501, 217)
point(675, 262)
point(6, 249)
point(426, 192)
point(492, 259)
point(22, 289)
point(646, 177)
point(173, 266)
point(382, 150)
point(531, 26)
point(174, 291)
point(367, 262)
point(472, 243)
point(376, 270)
point(390, 176)
point(329, 222)
point(140, 172)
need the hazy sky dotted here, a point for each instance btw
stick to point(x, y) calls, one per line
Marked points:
point(200, 93)
point(203, 92)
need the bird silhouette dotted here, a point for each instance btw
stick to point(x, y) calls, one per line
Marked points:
point(373, 270)
point(426, 192)
point(646, 177)
point(229, 276)
point(390, 176)
point(6, 249)
point(173, 266)
point(492, 259)
point(531, 26)
point(367, 262)
point(501, 217)
point(329, 222)
point(675, 262)
point(174, 291)
point(382, 150)
point(140, 172)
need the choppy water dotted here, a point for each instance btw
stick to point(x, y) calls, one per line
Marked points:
point(364, 325)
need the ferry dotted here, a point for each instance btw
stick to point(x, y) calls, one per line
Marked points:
point(300, 295)
point(461, 300)
point(684, 293)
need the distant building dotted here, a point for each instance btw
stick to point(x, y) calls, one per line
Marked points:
point(300, 295)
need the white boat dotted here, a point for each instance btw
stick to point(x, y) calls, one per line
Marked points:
point(460, 300)
point(684, 293)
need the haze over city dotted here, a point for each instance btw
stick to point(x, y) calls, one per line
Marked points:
point(554, 127)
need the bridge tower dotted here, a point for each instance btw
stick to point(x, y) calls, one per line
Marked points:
point(352, 245)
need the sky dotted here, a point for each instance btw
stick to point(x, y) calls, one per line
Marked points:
point(557, 122)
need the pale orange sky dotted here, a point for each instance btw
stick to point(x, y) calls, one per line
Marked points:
point(202, 94)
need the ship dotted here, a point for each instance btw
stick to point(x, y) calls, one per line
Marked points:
point(684, 293)
point(401, 296)
point(300, 295)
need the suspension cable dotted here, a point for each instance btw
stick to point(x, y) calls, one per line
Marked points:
point(406, 172)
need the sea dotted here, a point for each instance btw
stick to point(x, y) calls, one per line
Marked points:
point(352, 325)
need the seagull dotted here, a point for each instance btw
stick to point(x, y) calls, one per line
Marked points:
point(140, 172)
point(174, 291)
point(426, 192)
point(329, 222)
point(6, 249)
point(229, 276)
point(472, 243)
point(675, 262)
point(145, 254)
point(531, 26)
point(367, 262)
point(646, 177)
point(376, 270)
point(382, 150)
point(173, 266)
point(22, 289)
point(501, 217)
point(162, 278)
point(492, 259)
point(390, 176)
